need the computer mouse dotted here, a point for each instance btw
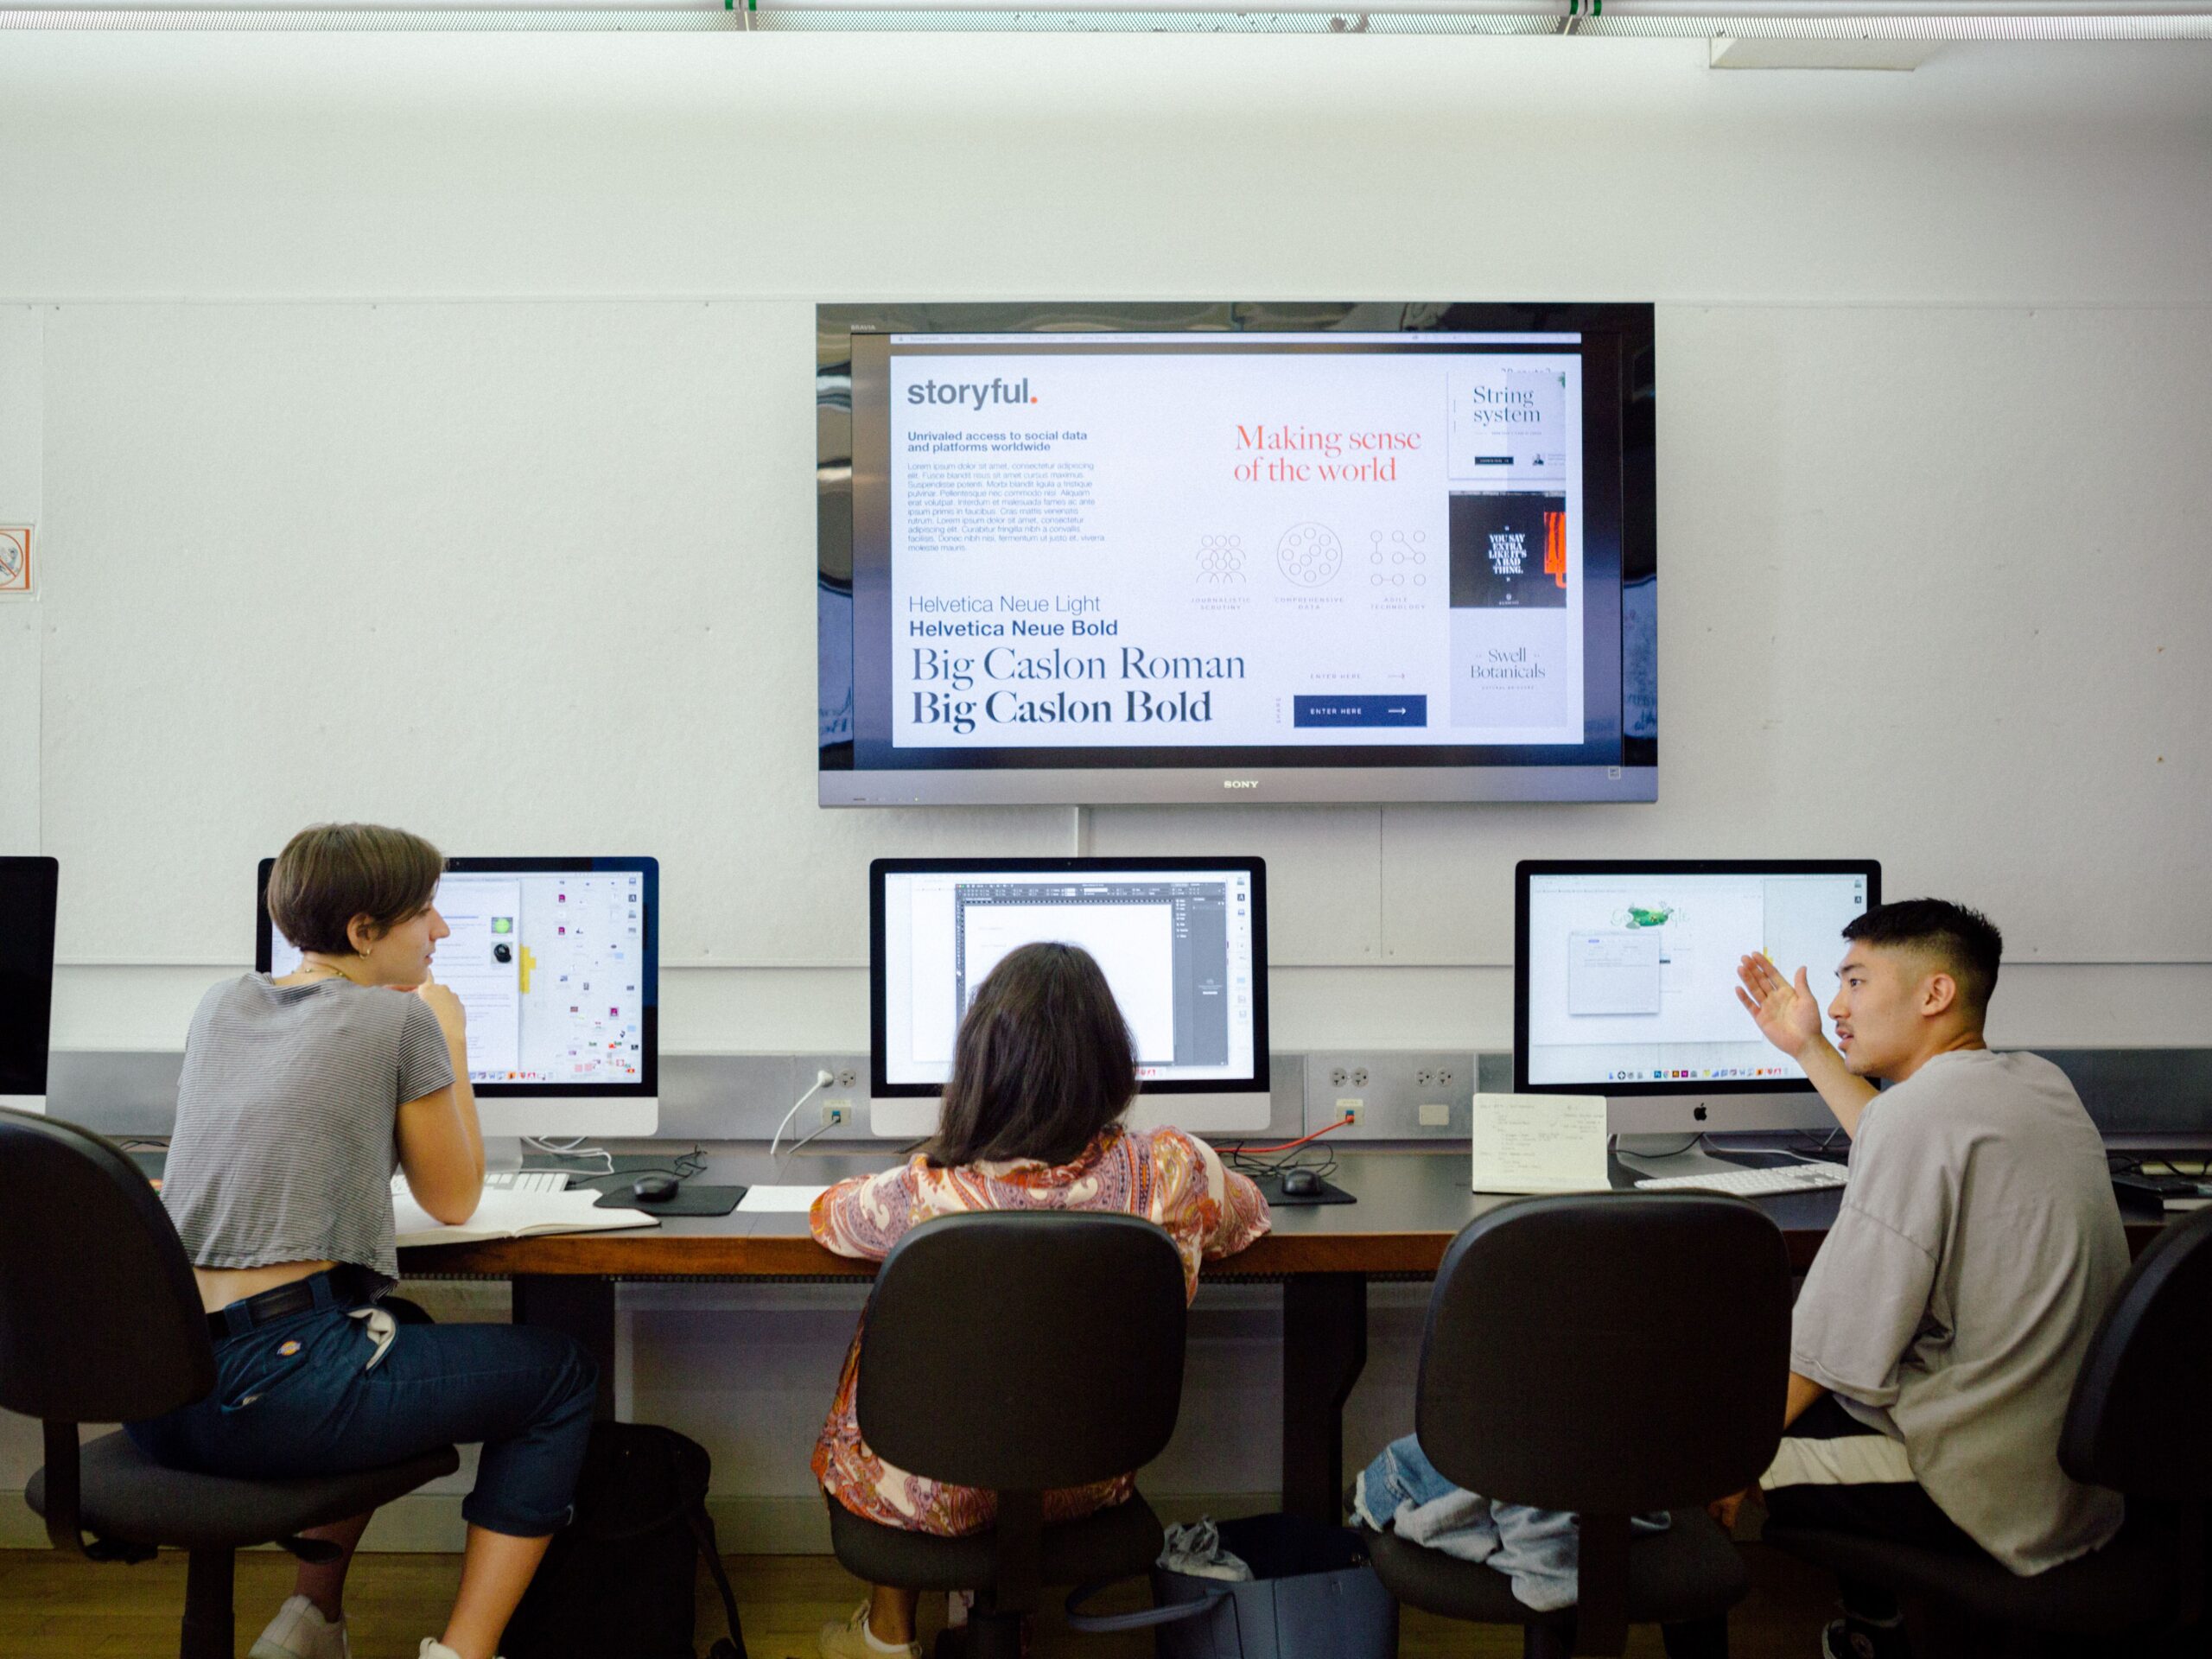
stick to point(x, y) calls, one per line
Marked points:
point(654, 1189)
point(1301, 1183)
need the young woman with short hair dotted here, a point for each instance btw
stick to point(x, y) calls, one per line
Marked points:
point(299, 1097)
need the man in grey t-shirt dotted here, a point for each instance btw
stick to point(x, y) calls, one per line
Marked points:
point(1936, 1339)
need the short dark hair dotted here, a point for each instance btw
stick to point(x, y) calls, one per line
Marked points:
point(1044, 1062)
point(1966, 941)
point(330, 873)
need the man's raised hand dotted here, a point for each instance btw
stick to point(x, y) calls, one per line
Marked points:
point(1787, 1014)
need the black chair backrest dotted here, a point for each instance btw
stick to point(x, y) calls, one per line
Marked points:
point(2148, 1370)
point(1024, 1351)
point(1608, 1354)
point(100, 1320)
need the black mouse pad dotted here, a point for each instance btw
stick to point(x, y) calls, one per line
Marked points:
point(1271, 1190)
point(690, 1199)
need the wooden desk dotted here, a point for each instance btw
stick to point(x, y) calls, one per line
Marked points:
point(1412, 1205)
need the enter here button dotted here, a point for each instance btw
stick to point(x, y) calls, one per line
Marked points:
point(1359, 711)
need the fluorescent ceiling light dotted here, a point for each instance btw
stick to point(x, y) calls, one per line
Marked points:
point(1984, 20)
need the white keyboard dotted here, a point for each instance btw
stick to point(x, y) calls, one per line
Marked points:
point(527, 1180)
point(509, 1181)
point(1751, 1183)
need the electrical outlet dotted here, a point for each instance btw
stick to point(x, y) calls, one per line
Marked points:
point(1411, 1096)
point(837, 1111)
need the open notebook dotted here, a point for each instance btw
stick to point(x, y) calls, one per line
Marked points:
point(515, 1214)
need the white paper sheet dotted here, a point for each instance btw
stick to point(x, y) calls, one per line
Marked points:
point(779, 1200)
point(1540, 1143)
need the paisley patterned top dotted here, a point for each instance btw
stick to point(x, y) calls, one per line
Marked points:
point(1167, 1176)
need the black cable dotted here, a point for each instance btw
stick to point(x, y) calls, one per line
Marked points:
point(2174, 1171)
point(1322, 1162)
point(684, 1166)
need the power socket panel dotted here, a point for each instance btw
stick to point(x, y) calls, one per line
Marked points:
point(846, 1091)
point(1391, 1095)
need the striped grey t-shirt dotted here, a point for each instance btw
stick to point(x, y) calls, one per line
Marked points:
point(285, 1118)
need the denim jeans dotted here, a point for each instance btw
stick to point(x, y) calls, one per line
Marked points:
point(296, 1397)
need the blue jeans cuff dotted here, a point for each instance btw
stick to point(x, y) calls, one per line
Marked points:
point(488, 1513)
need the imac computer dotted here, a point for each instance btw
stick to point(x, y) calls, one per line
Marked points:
point(1183, 943)
point(27, 893)
point(557, 962)
point(1624, 976)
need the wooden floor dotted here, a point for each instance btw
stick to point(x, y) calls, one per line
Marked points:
point(53, 1607)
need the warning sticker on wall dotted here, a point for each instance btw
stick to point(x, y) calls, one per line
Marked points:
point(14, 559)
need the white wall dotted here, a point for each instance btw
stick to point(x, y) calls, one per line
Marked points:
point(420, 426)
point(413, 420)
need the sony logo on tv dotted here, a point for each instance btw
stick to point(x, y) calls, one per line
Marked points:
point(1240, 783)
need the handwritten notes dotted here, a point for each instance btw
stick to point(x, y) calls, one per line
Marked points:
point(1540, 1143)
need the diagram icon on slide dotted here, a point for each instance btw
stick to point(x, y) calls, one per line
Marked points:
point(1398, 560)
point(1310, 555)
point(1221, 559)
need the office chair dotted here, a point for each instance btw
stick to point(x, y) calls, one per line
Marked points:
point(1020, 1352)
point(2131, 1425)
point(1605, 1354)
point(100, 1322)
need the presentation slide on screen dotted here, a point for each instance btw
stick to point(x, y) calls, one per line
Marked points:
point(1241, 545)
point(1632, 978)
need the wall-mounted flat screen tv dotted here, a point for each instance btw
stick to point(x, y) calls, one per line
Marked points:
point(1096, 553)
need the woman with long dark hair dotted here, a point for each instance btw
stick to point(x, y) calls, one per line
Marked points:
point(1042, 1072)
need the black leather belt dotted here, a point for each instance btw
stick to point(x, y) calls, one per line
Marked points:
point(285, 1301)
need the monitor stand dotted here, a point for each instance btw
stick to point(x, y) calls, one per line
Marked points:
point(502, 1151)
point(1664, 1154)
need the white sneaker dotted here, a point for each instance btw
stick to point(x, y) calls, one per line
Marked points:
point(854, 1640)
point(299, 1631)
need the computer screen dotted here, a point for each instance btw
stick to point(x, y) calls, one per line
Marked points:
point(27, 907)
point(1624, 974)
point(1328, 552)
point(1182, 943)
point(557, 962)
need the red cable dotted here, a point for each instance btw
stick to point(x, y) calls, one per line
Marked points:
point(1289, 1145)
